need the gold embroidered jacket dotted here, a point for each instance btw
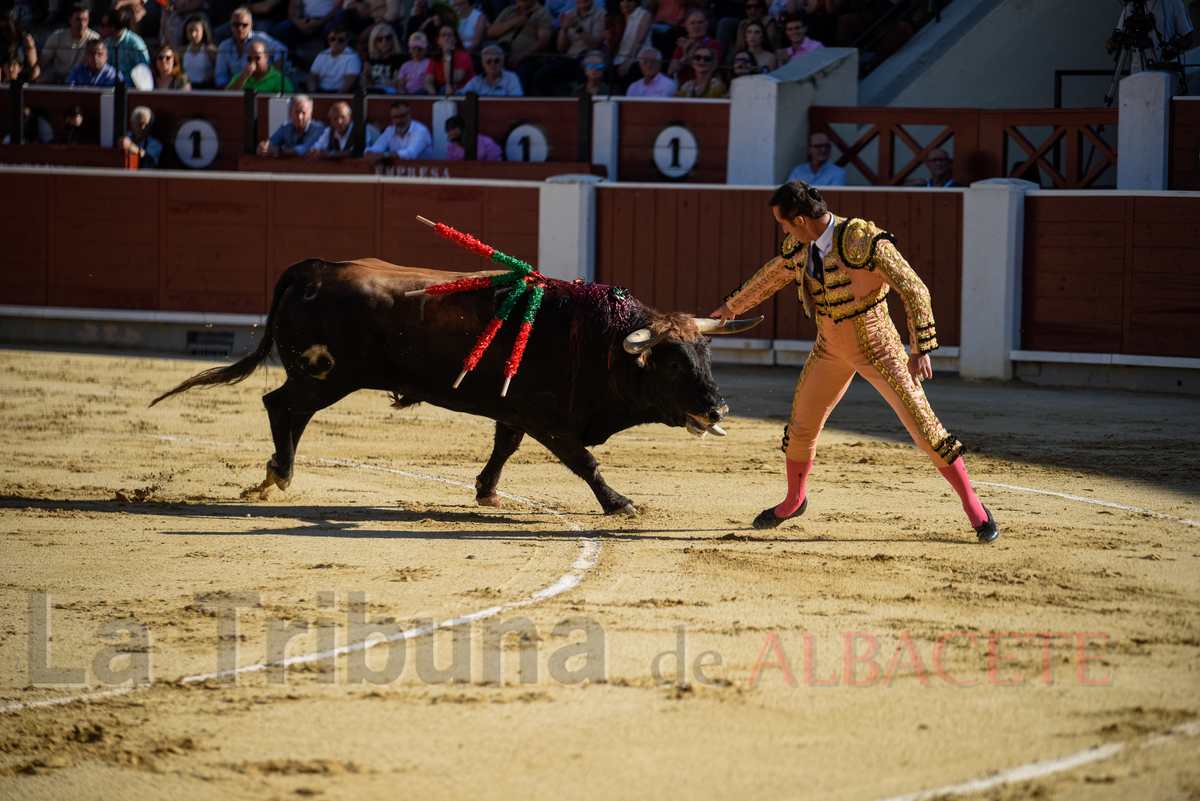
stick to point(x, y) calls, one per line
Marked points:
point(861, 268)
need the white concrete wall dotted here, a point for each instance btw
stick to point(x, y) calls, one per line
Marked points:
point(605, 137)
point(768, 119)
point(993, 239)
point(1143, 134)
point(567, 227)
point(999, 54)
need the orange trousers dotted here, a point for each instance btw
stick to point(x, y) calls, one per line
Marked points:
point(870, 346)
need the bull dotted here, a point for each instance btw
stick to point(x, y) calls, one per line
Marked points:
point(598, 362)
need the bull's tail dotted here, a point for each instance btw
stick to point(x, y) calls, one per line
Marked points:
point(243, 369)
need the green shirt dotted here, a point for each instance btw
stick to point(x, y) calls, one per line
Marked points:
point(272, 82)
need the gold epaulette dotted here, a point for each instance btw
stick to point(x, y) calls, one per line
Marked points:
point(790, 247)
point(856, 241)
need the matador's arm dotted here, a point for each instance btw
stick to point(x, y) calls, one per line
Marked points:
point(773, 276)
point(922, 336)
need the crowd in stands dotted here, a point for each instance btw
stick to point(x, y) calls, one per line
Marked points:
point(646, 48)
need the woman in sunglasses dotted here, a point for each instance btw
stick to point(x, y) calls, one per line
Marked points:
point(705, 83)
point(167, 72)
point(593, 73)
point(383, 61)
point(744, 64)
point(696, 25)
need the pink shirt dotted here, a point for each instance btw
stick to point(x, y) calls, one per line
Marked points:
point(412, 75)
point(485, 150)
point(807, 46)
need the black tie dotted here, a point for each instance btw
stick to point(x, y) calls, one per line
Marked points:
point(818, 264)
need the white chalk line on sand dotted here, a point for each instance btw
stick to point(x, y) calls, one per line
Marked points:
point(589, 553)
point(1036, 770)
point(1122, 506)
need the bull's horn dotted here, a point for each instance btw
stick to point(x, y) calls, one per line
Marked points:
point(710, 325)
point(642, 340)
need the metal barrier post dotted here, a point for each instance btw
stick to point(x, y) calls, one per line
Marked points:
point(584, 152)
point(16, 112)
point(358, 136)
point(471, 128)
point(120, 111)
point(249, 121)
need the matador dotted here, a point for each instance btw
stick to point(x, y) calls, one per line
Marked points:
point(845, 268)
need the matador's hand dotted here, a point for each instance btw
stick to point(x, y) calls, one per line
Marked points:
point(919, 366)
point(724, 314)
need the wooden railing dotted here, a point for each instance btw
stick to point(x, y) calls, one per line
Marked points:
point(1075, 155)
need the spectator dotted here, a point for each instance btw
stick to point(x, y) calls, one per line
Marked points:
point(138, 139)
point(696, 25)
point(495, 80)
point(755, 36)
point(634, 40)
point(14, 39)
point(796, 27)
point(486, 148)
point(653, 82)
point(307, 20)
point(73, 128)
point(1171, 20)
point(200, 55)
point(667, 26)
point(461, 71)
point(66, 47)
point(756, 11)
point(424, 20)
point(337, 68)
point(593, 76)
point(231, 55)
point(405, 137)
point(382, 67)
point(744, 64)
point(296, 135)
point(941, 168)
point(359, 15)
point(126, 47)
point(559, 7)
point(335, 141)
point(819, 170)
point(259, 73)
point(175, 14)
point(166, 70)
point(525, 29)
point(10, 65)
point(579, 30)
point(37, 129)
point(854, 24)
point(137, 11)
point(472, 25)
point(95, 69)
point(705, 83)
point(411, 80)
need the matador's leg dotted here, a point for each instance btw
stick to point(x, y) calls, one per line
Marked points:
point(887, 370)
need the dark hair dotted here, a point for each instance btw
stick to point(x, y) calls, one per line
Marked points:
point(115, 18)
point(340, 28)
point(800, 15)
point(399, 103)
point(73, 111)
point(206, 36)
point(455, 122)
point(798, 199)
point(79, 5)
point(14, 23)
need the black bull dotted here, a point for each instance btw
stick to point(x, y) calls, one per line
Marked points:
point(341, 327)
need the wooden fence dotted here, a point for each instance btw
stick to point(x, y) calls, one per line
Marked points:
point(1112, 274)
point(1185, 144)
point(140, 241)
point(685, 248)
point(1073, 156)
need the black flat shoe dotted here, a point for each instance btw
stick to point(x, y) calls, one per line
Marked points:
point(988, 531)
point(768, 519)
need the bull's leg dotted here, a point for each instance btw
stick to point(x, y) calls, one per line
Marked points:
point(286, 428)
point(506, 444)
point(570, 451)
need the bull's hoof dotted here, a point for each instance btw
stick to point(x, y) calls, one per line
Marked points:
point(492, 500)
point(273, 479)
point(628, 510)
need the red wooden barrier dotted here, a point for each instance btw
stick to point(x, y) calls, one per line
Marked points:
point(1185, 144)
point(639, 123)
point(685, 249)
point(218, 245)
point(478, 170)
point(980, 139)
point(51, 102)
point(63, 155)
point(1111, 274)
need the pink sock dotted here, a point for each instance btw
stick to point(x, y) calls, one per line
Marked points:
point(956, 474)
point(797, 474)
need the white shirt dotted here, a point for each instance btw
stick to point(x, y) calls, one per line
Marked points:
point(331, 70)
point(417, 143)
point(1170, 18)
point(661, 86)
point(824, 244)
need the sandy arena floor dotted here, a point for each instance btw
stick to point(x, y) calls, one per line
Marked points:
point(116, 511)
